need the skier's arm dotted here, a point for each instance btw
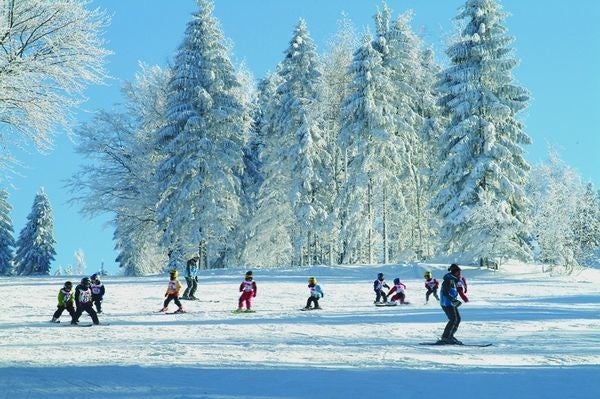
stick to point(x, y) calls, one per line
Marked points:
point(254, 288)
point(461, 292)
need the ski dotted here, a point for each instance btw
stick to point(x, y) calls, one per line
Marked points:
point(236, 311)
point(445, 344)
point(182, 312)
point(309, 309)
point(74, 325)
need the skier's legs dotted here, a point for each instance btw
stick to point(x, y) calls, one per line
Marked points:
point(71, 310)
point(78, 313)
point(176, 300)
point(58, 312)
point(98, 304)
point(167, 301)
point(186, 293)
point(194, 287)
point(90, 310)
point(453, 321)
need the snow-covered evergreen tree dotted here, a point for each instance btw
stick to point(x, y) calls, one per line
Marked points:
point(586, 226)
point(7, 240)
point(368, 118)
point(336, 85)
point(35, 246)
point(402, 57)
point(269, 241)
point(296, 160)
point(481, 148)
point(207, 129)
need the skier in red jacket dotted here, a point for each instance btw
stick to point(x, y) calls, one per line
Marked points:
point(248, 290)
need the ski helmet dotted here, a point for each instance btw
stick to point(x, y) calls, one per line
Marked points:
point(396, 280)
point(454, 267)
point(380, 276)
point(248, 273)
point(312, 280)
point(427, 275)
point(94, 276)
point(86, 282)
point(68, 284)
point(173, 273)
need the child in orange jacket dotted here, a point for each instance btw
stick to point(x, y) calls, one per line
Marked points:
point(172, 293)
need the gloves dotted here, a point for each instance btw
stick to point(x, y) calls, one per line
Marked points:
point(456, 303)
point(322, 295)
point(166, 294)
point(254, 295)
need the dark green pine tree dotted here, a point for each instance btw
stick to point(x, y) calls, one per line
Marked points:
point(7, 241)
point(35, 246)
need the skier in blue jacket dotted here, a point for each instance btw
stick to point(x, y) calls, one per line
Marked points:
point(191, 278)
point(450, 304)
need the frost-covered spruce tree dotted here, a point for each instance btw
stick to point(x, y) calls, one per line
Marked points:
point(296, 162)
point(586, 226)
point(336, 83)
point(481, 148)
point(269, 241)
point(7, 240)
point(35, 246)
point(207, 127)
point(368, 118)
point(425, 163)
point(400, 49)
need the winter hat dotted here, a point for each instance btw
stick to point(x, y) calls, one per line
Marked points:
point(248, 274)
point(85, 281)
point(312, 280)
point(173, 273)
point(380, 275)
point(68, 284)
point(427, 275)
point(94, 276)
point(454, 267)
point(396, 280)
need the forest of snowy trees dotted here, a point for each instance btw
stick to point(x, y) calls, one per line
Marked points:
point(370, 152)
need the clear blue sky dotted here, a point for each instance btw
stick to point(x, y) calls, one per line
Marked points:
point(558, 44)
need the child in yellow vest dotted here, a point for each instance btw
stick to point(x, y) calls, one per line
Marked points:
point(172, 293)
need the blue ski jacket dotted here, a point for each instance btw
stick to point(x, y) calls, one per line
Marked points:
point(448, 292)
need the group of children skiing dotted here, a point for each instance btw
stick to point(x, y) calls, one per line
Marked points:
point(90, 292)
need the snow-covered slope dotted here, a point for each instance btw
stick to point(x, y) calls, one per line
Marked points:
point(545, 330)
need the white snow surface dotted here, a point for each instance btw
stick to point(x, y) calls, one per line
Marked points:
point(545, 332)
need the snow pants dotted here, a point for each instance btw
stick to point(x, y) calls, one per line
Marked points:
point(312, 300)
point(380, 294)
point(453, 321)
point(174, 298)
point(246, 298)
point(88, 308)
point(429, 292)
point(61, 309)
point(192, 286)
point(400, 296)
point(98, 302)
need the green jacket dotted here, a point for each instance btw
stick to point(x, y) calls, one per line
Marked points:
point(65, 297)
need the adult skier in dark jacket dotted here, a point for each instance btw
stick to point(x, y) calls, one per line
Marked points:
point(83, 300)
point(450, 304)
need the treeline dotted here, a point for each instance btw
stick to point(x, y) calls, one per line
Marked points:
point(368, 153)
